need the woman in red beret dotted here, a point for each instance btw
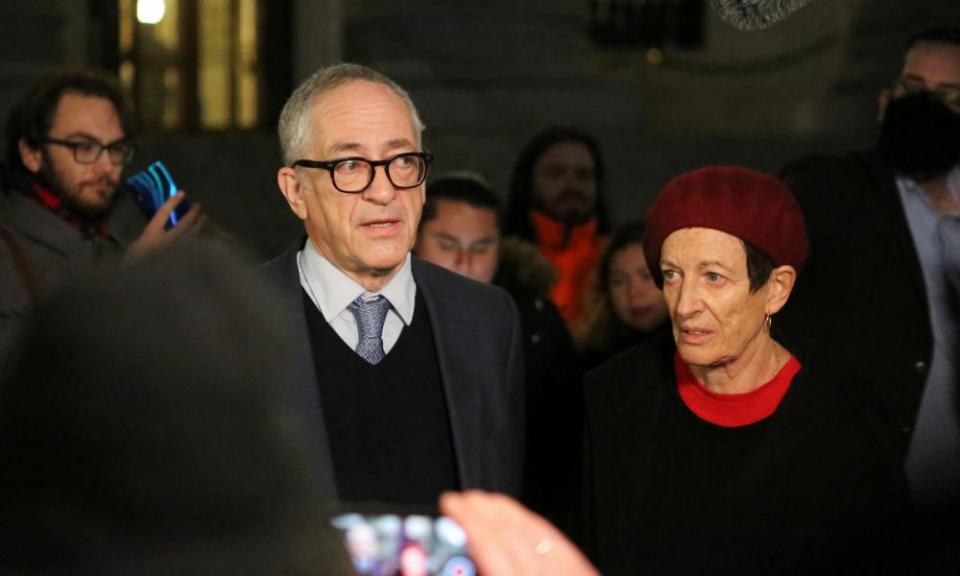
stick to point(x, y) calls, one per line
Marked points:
point(713, 449)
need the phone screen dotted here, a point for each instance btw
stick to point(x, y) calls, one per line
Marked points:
point(152, 187)
point(405, 545)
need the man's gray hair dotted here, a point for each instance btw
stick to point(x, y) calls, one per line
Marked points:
point(294, 127)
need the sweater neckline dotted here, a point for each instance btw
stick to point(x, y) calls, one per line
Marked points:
point(734, 410)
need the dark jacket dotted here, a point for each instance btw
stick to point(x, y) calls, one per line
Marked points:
point(477, 334)
point(554, 405)
point(610, 336)
point(861, 297)
point(813, 489)
point(37, 249)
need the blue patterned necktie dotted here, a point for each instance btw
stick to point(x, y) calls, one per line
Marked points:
point(370, 316)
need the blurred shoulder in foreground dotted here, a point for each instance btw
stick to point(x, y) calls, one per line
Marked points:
point(146, 430)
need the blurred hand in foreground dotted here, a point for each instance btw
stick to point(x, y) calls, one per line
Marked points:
point(506, 538)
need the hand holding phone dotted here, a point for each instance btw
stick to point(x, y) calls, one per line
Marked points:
point(152, 187)
point(171, 217)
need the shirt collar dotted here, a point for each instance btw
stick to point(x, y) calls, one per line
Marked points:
point(332, 290)
point(909, 187)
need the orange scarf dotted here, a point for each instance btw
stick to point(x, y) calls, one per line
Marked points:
point(575, 261)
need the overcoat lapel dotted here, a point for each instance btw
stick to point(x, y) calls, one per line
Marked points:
point(460, 387)
point(304, 389)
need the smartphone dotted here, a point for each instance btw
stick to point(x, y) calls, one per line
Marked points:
point(388, 544)
point(152, 187)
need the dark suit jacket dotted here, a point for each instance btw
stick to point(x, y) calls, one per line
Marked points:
point(861, 296)
point(477, 334)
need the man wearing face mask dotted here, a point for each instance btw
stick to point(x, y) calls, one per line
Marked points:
point(882, 282)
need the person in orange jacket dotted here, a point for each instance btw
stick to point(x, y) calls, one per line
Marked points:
point(556, 201)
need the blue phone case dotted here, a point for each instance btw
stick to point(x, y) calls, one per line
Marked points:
point(152, 187)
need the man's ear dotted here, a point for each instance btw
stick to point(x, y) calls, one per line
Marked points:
point(293, 190)
point(782, 279)
point(31, 157)
point(882, 100)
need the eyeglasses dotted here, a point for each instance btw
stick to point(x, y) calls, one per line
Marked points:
point(949, 96)
point(89, 151)
point(354, 175)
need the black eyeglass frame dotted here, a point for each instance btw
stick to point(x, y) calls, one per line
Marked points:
point(122, 144)
point(330, 165)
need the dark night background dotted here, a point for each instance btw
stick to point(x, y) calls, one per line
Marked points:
point(666, 85)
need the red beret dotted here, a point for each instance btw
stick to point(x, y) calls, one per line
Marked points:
point(753, 206)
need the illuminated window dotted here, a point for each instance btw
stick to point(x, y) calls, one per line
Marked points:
point(193, 64)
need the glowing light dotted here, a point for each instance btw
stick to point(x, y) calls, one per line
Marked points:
point(654, 56)
point(150, 11)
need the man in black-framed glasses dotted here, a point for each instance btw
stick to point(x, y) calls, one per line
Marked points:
point(409, 372)
point(89, 151)
point(354, 175)
point(68, 140)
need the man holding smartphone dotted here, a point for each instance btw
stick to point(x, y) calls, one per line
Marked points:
point(68, 139)
point(411, 374)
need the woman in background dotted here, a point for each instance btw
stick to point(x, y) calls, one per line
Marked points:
point(628, 307)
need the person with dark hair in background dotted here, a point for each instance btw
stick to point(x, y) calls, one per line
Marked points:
point(627, 306)
point(556, 201)
point(712, 449)
point(883, 284)
point(67, 141)
point(460, 226)
point(148, 430)
point(411, 374)
point(460, 231)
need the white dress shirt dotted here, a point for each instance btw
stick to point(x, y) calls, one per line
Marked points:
point(932, 465)
point(332, 291)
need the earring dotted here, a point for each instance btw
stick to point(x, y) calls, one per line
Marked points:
point(768, 319)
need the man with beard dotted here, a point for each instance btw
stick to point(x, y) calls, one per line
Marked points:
point(67, 142)
point(556, 201)
point(881, 283)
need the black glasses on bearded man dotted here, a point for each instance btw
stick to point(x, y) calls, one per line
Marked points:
point(89, 151)
point(354, 175)
point(947, 95)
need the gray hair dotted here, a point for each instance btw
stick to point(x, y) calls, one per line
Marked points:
point(294, 126)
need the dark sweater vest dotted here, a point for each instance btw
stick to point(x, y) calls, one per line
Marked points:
point(387, 424)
